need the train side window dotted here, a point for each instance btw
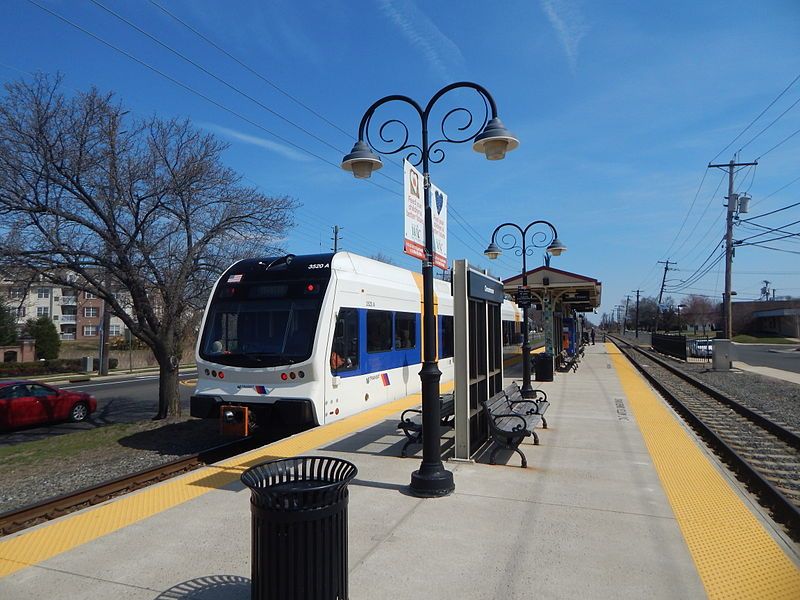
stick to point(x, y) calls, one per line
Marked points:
point(379, 331)
point(344, 352)
point(405, 331)
point(448, 341)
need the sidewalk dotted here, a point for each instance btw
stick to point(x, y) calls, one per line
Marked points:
point(768, 372)
point(64, 378)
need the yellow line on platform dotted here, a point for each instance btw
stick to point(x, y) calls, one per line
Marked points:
point(40, 544)
point(734, 554)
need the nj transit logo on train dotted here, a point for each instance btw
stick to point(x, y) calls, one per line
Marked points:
point(384, 377)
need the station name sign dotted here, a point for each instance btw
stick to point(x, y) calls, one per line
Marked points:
point(482, 287)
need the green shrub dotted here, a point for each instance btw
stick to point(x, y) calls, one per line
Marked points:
point(46, 336)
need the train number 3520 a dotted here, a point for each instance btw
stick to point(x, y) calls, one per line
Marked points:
point(319, 266)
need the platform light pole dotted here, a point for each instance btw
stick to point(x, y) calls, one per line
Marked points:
point(489, 137)
point(524, 247)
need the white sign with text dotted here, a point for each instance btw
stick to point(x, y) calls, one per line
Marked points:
point(414, 209)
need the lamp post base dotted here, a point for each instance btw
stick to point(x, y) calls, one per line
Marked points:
point(434, 484)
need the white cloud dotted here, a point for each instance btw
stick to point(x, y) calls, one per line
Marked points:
point(275, 147)
point(567, 20)
point(440, 52)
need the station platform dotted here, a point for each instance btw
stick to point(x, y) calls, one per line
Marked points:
point(618, 501)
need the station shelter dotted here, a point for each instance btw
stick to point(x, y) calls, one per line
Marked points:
point(562, 297)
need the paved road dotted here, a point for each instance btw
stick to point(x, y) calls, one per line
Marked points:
point(777, 356)
point(118, 401)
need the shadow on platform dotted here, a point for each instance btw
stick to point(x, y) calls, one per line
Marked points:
point(211, 587)
point(382, 439)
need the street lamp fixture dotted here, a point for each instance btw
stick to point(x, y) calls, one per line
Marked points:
point(495, 140)
point(361, 161)
point(556, 247)
point(517, 239)
point(490, 137)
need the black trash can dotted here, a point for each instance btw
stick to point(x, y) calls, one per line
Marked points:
point(299, 528)
point(543, 366)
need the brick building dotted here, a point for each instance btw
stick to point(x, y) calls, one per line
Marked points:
point(781, 317)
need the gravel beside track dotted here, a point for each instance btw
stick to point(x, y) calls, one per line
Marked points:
point(154, 443)
point(779, 400)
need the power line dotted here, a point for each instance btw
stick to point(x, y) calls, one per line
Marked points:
point(765, 230)
point(771, 124)
point(783, 141)
point(700, 219)
point(192, 90)
point(775, 239)
point(214, 76)
point(776, 249)
point(778, 97)
point(251, 70)
point(688, 212)
point(792, 182)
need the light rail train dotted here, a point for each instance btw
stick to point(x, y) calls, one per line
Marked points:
point(315, 338)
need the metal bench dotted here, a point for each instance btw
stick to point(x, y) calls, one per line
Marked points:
point(566, 361)
point(411, 421)
point(529, 406)
point(508, 428)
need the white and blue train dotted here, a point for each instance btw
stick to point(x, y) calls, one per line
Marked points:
point(316, 338)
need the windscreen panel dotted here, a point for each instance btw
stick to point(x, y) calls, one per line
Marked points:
point(262, 324)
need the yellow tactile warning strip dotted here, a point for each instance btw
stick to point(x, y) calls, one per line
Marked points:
point(734, 554)
point(517, 358)
point(33, 547)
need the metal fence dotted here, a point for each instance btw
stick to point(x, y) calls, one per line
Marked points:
point(673, 345)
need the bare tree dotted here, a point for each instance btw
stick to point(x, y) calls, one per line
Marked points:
point(700, 311)
point(383, 258)
point(142, 206)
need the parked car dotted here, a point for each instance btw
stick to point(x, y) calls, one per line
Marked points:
point(31, 403)
point(701, 348)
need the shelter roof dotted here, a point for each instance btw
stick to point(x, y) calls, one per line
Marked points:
point(579, 291)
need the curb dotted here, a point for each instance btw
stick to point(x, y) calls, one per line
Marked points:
point(84, 377)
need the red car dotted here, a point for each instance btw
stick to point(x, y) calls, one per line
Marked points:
point(30, 403)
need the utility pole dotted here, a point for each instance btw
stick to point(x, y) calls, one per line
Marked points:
point(637, 313)
point(625, 318)
point(666, 264)
point(733, 208)
point(335, 238)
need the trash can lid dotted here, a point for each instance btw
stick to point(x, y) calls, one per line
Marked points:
point(300, 482)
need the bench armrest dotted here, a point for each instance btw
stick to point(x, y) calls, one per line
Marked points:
point(409, 410)
point(520, 417)
point(534, 405)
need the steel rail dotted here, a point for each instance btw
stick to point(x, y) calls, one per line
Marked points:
point(774, 428)
point(782, 508)
point(33, 514)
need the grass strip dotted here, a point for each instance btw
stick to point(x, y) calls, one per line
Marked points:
point(60, 447)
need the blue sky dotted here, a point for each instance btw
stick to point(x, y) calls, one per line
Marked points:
point(619, 107)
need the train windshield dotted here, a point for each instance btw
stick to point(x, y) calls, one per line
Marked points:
point(262, 325)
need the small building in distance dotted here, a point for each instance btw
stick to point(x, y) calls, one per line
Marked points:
point(777, 317)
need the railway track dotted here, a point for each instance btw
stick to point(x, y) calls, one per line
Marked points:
point(28, 516)
point(764, 454)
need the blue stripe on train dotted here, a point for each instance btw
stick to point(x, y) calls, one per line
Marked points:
point(374, 362)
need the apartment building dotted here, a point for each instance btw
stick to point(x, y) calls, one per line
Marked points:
point(76, 314)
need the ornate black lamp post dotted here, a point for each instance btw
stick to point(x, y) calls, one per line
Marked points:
point(524, 247)
point(489, 137)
